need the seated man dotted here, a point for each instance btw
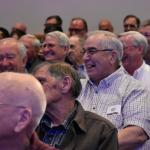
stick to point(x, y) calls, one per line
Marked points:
point(32, 45)
point(22, 104)
point(65, 124)
point(55, 46)
point(13, 55)
point(78, 26)
point(135, 46)
point(131, 23)
point(75, 55)
point(112, 93)
point(106, 25)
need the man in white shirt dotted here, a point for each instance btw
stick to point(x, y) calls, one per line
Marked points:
point(135, 47)
point(112, 93)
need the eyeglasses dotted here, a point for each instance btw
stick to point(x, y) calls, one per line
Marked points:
point(130, 25)
point(7, 56)
point(130, 46)
point(75, 30)
point(93, 50)
point(48, 45)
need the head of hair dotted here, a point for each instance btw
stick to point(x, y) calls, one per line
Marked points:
point(21, 48)
point(133, 16)
point(59, 70)
point(58, 19)
point(137, 39)
point(4, 32)
point(108, 40)
point(61, 37)
point(83, 20)
point(35, 42)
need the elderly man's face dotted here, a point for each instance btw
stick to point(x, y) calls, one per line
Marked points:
point(97, 62)
point(52, 50)
point(131, 53)
point(50, 85)
point(75, 49)
point(10, 59)
point(77, 28)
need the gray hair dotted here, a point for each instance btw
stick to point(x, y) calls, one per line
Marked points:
point(145, 23)
point(35, 42)
point(60, 70)
point(22, 50)
point(62, 38)
point(108, 40)
point(137, 39)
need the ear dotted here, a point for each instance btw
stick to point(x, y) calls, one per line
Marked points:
point(113, 57)
point(141, 50)
point(66, 48)
point(66, 84)
point(24, 119)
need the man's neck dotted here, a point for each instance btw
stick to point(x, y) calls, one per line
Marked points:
point(133, 68)
point(59, 111)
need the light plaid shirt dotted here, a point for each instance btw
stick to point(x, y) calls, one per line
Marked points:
point(119, 98)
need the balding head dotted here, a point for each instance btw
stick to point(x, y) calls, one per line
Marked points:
point(20, 26)
point(105, 25)
point(25, 92)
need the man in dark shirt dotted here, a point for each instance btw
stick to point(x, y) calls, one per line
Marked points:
point(66, 125)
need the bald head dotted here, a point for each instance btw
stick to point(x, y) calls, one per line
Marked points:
point(105, 25)
point(23, 90)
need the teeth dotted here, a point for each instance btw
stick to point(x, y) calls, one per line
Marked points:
point(90, 65)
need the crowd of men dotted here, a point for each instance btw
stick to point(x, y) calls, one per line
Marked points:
point(76, 91)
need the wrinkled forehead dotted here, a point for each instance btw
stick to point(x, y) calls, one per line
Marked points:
point(7, 46)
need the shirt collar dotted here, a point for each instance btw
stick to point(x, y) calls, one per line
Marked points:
point(110, 79)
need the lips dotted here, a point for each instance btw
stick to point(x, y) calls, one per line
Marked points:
point(49, 54)
point(90, 66)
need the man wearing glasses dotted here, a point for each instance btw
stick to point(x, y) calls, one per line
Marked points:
point(131, 23)
point(145, 30)
point(55, 47)
point(135, 47)
point(112, 93)
point(78, 26)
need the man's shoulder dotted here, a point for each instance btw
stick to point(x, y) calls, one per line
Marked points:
point(97, 120)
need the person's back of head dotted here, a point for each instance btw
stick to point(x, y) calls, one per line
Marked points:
point(24, 99)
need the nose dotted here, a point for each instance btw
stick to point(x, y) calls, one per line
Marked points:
point(45, 49)
point(5, 62)
point(86, 57)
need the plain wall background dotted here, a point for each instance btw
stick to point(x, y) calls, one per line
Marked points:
point(34, 12)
